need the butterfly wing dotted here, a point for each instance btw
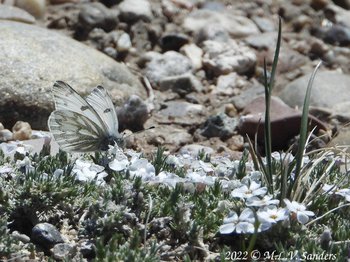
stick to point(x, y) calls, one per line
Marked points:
point(75, 125)
point(75, 132)
point(100, 100)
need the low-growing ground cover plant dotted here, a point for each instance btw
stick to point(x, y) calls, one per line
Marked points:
point(122, 206)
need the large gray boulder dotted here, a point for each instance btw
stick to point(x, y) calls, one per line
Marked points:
point(33, 58)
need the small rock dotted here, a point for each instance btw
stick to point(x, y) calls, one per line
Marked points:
point(63, 251)
point(96, 15)
point(194, 53)
point(213, 6)
point(5, 135)
point(36, 8)
point(168, 64)
point(88, 249)
point(133, 114)
point(212, 32)
point(22, 131)
point(133, 10)
point(264, 24)
point(180, 109)
point(195, 149)
point(46, 235)
point(182, 84)
point(15, 14)
point(224, 58)
point(230, 84)
point(247, 95)
point(337, 34)
point(124, 43)
point(219, 126)
point(21, 237)
point(230, 110)
point(140, 36)
point(237, 26)
point(173, 41)
point(262, 41)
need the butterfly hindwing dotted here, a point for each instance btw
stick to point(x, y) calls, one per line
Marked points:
point(75, 132)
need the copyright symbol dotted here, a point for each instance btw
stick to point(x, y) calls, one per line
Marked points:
point(255, 254)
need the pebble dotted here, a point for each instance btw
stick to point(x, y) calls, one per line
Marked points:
point(46, 235)
point(219, 125)
point(15, 14)
point(124, 43)
point(262, 41)
point(247, 95)
point(21, 237)
point(264, 24)
point(180, 109)
point(133, 114)
point(337, 35)
point(22, 131)
point(237, 26)
point(168, 64)
point(230, 84)
point(63, 251)
point(96, 15)
point(134, 10)
point(173, 41)
point(36, 8)
point(5, 135)
point(194, 53)
point(88, 249)
point(223, 58)
point(181, 84)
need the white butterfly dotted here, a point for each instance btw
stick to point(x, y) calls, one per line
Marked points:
point(83, 125)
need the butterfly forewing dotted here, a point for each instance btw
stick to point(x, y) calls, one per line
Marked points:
point(100, 100)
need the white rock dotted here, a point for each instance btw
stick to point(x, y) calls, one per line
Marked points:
point(15, 14)
point(36, 8)
point(133, 10)
point(194, 53)
point(124, 43)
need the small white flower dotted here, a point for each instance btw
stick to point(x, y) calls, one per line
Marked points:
point(25, 165)
point(120, 161)
point(272, 214)
point(299, 210)
point(168, 178)
point(86, 171)
point(174, 161)
point(141, 167)
point(5, 169)
point(254, 189)
point(197, 177)
point(242, 224)
point(265, 201)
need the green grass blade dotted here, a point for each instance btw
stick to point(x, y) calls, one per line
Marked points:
point(304, 126)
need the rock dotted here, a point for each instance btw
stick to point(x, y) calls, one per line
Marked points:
point(15, 14)
point(237, 26)
point(88, 249)
point(195, 149)
point(140, 39)
point(329, 89)
point(264, 24)
point(337, 35)
point(25, 91)
point(133, 114)
point(170, 137)
point(176, 109)
point(262, 41)
point(21, 237)
point(224, 58)
point(337, 15)
point(285, 122)
point(124, 43)
point(36, 8)
point(194, 53)
point(164, 65)
point(46, 235)
point(212, 32)
point(63, 251)
point(5, 135)
point(247, 95)
point(342, 138)
point(173, 41)
point(342, 3)
point(22, 131)
point(110, 3)
point(219, 125)
point(213, 6)
point(133, 10)
point(95, 15)
point(230, 84)
point(181, 84)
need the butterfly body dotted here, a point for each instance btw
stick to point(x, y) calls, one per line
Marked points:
point(83, 125)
